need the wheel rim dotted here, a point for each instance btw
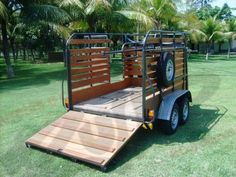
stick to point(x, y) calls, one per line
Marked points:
point(174, 119)
point(185, 111)
point(169, 70)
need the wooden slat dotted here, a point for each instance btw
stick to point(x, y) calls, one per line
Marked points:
point(90, 75)
point(167, 39)
point(89, 63)
point(105, 132)
point(179, 72)
point(90, 41)
point(153, 41)
point(133, 72)
point(103, 121)
point(89, 50)
point(95, 91)
point(133, 67)
point(179, 66)
point(88, 57)
point(179, 60)
point(179, 54)
point(81, 138)
point(94, 68)
point(179, 40)
point(132, 62)
point(82, 83)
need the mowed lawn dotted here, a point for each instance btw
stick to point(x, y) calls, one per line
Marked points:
point(205, 146)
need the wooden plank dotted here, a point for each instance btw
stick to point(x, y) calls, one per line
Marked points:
point(179, 61)
point(179, 72)
point(169, 40)
point(82, 83)
point(81, 138)
point(93, 68)
point(101, 120)
point(153, 41)
point(90, 75)
point(133, 72)
point(179, 54)
point(75, 150)
point(88, 57)
point(179, 66)
point(95, 91)
point(133, 67)
point(179, 40)
point(97, 130)
point(137, 82)
point(89, 63)
point(132, 62)
point(89, 41)
point(89, 50)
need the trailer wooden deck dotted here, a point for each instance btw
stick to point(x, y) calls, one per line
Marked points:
point(124, 104)
point(86, 137)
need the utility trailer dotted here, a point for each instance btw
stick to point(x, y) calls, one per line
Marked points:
point(103, 115)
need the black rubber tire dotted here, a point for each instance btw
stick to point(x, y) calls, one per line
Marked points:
point(166, 126)
point(183, 118)
point(162, 78)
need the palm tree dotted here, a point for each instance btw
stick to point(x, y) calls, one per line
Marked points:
point(230, 34)
point(152, 13)
point(209, 31)
point(4, 17)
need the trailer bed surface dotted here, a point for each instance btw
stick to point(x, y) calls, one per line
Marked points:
point(124, 104)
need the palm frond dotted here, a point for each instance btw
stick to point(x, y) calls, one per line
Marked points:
point(66, 3)
point(49, 13)
point(3, 11)
point(139, 16)
point(60, 30)
point(93, 4)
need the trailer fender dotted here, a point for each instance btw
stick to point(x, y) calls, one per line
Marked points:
point(169, 101)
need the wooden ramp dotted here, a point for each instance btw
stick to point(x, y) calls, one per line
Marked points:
point(86, 137)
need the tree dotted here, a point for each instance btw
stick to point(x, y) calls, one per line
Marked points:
point(201, 3)
point(223, 13)
point(209, 31)
point(230, 34)
point(154, 13)
point(4, 17)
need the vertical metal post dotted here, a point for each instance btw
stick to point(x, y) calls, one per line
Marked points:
point(174, 43)
point(185, 60)
point(144, 78)
point(69, 77)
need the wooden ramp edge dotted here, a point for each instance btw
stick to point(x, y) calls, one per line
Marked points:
point(86, 137)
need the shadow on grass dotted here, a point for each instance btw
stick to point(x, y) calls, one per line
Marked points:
point(31, 77)
point(202, 120)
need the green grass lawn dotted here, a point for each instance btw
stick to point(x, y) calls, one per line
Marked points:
point(205, 146)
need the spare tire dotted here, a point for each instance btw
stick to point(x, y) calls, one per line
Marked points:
point(165, 69)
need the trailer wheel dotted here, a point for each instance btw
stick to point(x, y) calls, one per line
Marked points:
point(184, 110)
point(166, 69)
point(169, 127)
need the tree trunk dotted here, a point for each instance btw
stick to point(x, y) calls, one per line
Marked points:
point(229, 47)
point(12, 43)
point(220, 44)
point(207, 51)
point(9, 68)
point(24, 53)
point(198, 47)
